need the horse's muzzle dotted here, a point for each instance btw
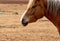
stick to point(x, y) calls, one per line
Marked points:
point(24, 22)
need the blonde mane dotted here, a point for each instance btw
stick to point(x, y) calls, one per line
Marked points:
point(53, 6)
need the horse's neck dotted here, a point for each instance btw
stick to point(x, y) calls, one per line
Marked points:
point(54, 19)
point(53, 11)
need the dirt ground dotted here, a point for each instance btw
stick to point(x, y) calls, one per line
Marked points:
point(11, 28)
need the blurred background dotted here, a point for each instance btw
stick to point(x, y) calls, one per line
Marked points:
point(12, 9)
point(13, 1)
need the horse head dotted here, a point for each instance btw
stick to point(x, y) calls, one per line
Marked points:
point(35, 10)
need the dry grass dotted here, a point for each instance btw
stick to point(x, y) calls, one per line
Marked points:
point(12, 30)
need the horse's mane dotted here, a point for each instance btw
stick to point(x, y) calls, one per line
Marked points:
point(53, 6)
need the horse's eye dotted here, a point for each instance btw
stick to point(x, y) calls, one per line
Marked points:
point(33, 6)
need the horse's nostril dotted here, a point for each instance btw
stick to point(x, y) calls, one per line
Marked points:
point(24, 22)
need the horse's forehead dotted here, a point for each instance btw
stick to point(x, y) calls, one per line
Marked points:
point(31, 3)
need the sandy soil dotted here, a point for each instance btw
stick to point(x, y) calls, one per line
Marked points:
point(13, 1)
point(11, 28)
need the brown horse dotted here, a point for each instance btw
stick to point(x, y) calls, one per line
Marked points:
point(38, 8)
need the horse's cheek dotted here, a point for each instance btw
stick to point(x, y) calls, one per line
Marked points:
point(39, 14)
